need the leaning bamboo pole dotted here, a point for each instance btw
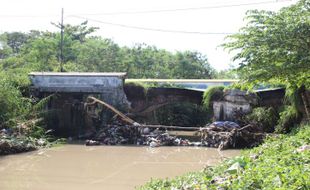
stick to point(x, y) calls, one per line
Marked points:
point(131, 121)
point(113, 109)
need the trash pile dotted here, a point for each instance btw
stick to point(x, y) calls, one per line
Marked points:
point(115, 135)
point(165, 139)
point(127, 134)
point(10, 144)
point(224, 135)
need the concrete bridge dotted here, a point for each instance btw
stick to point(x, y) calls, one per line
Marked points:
point(68, 116)
point(194, 84)
point(72, 89)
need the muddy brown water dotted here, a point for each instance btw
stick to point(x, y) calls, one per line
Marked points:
point(102, 167)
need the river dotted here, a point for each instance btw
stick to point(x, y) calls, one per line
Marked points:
point(79, 167)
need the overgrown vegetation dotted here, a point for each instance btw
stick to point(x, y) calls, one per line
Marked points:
point(289, 118)
point(291, 113)
point(21, 117)
point(13, 105)
point(264, 118)
point(147, 85)
point(214, 93)
point(282, 162)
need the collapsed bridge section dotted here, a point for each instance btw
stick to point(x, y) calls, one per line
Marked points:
point(68, 116)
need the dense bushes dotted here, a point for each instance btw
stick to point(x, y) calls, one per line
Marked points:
point(12, 103)
point(263, 118)
point(17, 109)
point(282, 162)
point(289, 117)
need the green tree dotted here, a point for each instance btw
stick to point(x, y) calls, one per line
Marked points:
point(192, 65)
point(274, 47)
point(98, 55)
point(16, 40)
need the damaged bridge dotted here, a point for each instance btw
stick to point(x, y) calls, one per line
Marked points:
point(68, 116)
point(70, 91)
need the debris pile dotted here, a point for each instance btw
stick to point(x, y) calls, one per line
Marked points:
point(165, 139)
point(10, 144)
point(225, 135)
point(126, 134)
point(115, 135)
point(222, 135)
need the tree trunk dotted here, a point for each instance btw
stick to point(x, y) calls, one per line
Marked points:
point(306, 102)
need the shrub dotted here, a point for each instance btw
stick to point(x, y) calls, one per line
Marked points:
point(135, 91)
point(12, 103)
point(264, 118)
point(289, 117)
point(212, 94)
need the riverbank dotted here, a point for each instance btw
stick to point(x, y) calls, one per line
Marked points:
point(282, 162)
point(12, 143)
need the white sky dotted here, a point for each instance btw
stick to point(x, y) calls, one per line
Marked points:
point(24, 15)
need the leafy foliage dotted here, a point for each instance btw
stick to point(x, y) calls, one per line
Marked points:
point(212, 94)
point(288, 119)
point(264, 118)
point(12, 102)
point(274, 46)
point(39, 51)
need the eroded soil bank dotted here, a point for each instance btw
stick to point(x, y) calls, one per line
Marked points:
point(102, 167)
